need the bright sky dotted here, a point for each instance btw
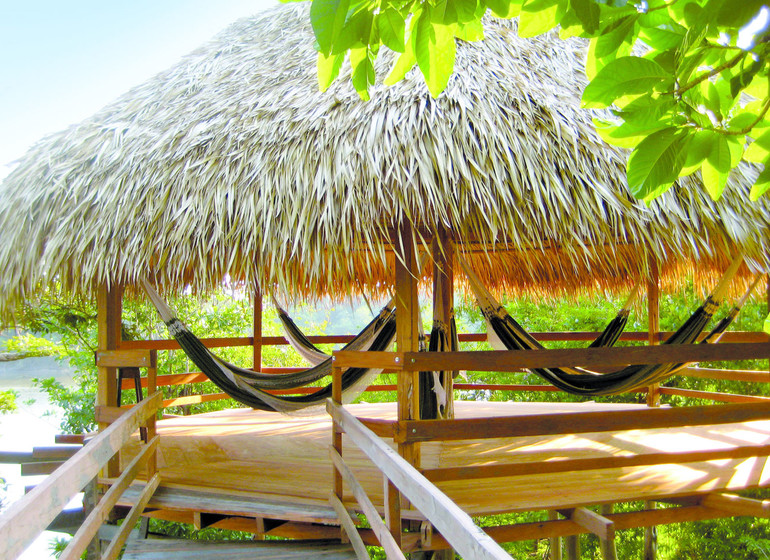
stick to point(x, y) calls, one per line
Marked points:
point(63, 60)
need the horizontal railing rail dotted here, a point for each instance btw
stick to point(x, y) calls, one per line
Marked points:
point(734, 345)
point(547, 336)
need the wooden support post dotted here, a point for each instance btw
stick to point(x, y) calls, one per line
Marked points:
point(407, 333)
point(572, 547)
point(653, 323)
point(152, 431)
point(108, 319)
point(653, 394)
point(443, 300)
point(442, 250)
point(336, 430)
point(607, 546)
point(554, 542)
point(256, 331)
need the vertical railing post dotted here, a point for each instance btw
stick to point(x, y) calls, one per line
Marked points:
point(393, 510)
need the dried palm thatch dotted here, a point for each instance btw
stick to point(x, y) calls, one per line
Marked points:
point(233, 163)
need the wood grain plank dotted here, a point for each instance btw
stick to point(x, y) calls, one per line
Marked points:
point(116, 544)
point(578, 422)
point(392, 549)
point(177, 549)
point(350, 529)
point(124, 358)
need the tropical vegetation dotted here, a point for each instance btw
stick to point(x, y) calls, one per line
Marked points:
point(688, 81)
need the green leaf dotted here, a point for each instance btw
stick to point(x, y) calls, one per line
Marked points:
point(621, 31)
point(719, 155)
point(328, 69)
point(627, 135)
point(663, 38)
point(760, 187)
point(698, 150)
point(392, 28)
point(744, 78)
point(363, 71)
point(735, 14)
point(504, 8)
point(407, 60)
point(741, 121)
point(536, 17)
point(766, 327)
point(714, 179)
point(625, 76)
point(328, 19)
point(466, 10)
point(646, 111)
point(587, 12)
point(470, 32)
point(356, 32)
point(759, 149)
point(434, 47)
point(655, 163)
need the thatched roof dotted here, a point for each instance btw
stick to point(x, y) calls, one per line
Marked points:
point(232, 162)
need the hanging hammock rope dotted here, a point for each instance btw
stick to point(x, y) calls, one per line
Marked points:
point(490, 307)
point(249, 387)
point(581, 381)
point(314, 355)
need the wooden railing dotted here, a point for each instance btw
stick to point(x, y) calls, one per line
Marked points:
point(738, 340)
point(467, 538)
point(24, 520)
point(411, 432)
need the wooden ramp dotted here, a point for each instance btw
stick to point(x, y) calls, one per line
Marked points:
point(175, 549)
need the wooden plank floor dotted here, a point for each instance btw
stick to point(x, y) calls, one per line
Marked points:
point(285, 459)
point(175, 549)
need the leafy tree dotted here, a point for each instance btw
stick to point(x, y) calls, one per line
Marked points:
point(7, 401)
point(687, 87)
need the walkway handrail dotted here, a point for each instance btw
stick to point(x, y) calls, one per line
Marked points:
point(457, 527)
point(24, 520)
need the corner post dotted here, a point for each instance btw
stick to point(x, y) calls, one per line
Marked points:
point(109, 312)
point(442, 249)
point(653, 391)
point(336, 430)
point(653, 324)
point(257, 329)
point(407, 333)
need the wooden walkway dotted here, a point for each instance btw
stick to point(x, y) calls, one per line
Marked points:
point(174, 549)
point(281, 463)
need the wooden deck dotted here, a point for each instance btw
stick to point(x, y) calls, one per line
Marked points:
point(282, 462)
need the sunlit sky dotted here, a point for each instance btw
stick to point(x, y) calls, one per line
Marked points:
point(62, 60)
